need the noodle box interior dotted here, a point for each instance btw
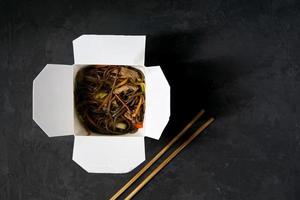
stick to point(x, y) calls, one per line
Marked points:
point(54, 111)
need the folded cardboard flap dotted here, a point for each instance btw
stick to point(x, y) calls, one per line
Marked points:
point(157, 102)
point(108, 154)
point(53, 100)
point(109, 49)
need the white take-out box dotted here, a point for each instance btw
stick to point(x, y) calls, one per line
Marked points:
point(54, 112)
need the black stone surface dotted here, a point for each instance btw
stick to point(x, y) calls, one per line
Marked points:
point(237, 59)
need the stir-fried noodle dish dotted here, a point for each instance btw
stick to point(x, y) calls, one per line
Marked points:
point(110, 99)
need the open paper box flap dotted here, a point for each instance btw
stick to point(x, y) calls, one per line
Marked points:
point(109, 49)
point(157, 102)
point(53, 100)
point(113, 154)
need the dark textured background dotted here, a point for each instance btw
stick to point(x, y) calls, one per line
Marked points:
point(237, 59)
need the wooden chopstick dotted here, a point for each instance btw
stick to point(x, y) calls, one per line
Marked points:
point(169, 158)
point(157, 156)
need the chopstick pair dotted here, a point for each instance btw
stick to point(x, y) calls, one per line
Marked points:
point(159, 154)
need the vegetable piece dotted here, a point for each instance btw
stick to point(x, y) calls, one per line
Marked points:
point(138, 125)
point(142, 85)
point(100, 95)
point(121, 125)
